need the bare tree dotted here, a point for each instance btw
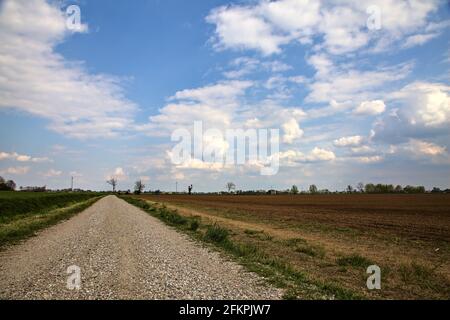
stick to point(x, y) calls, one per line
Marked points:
point(113, 183)
point(360, 187)
point(230, 186)
point(349, 189)
point(313, 189)
point(294, 189)
point(139, 186)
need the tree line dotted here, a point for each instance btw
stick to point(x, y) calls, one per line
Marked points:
point(7, 185)
point(369, 188)
point(373, 188)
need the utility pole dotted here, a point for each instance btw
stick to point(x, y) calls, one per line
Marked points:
point(71, 184)
point(176, 186)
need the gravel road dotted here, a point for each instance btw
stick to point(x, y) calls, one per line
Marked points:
point(122, 253)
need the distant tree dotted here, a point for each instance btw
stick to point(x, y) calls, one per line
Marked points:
point(7, 185)
point(190, 189)
point(139, 186)
point(398, 189)
point(349, 189)
point(294, 189)
point(412, 189)
point(436, 190)
point(230, 186)
point(313, 189)
point(360, 187)
point(369, 188)
point(11, 185)
point(113, 183)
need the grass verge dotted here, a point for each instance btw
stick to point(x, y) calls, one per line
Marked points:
point(276, 270)
point(26, 225)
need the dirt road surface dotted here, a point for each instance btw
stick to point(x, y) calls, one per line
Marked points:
point(122, 253)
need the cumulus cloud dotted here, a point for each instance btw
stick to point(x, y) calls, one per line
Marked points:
point(371, 159)
point(22, 157)
point(294, 157)
point(292, 131)
point(422, 110)
point(425, 148)
point(371, 108)
point(15, 170)
point(52, 173)
point(425, 104)
point(338, 26)
point(37, 80)
point(241, 28)
point(353, 141)
point(118, 173)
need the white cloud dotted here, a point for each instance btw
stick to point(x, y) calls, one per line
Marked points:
point(16, 170)
point(224, 92)
point(419, 39)
point(213, 104)
point(353, 141)
point(52, 173)
point(293, 157)
point(277, 66)
point(425, 148)
point(371, 159)
point(241, 66)
point(241, 28)
point(372, 108)
point(36, 79)
point(118, 173)
point(292, 131)
point(318, 154)
point(420, 110)
point(362, 150)
point(76, 174)
point(338, 26)
point(345, 83)
point(425, 103)
point(4, 155)
point(197, 164)
point(22, 157)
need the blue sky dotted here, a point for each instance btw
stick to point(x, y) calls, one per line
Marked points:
point(353, 103)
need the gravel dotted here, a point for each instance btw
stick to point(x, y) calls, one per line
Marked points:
point(123, 253)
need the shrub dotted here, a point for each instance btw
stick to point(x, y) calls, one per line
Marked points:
point(194, 225)
point(172, 217)
point(215, 233)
